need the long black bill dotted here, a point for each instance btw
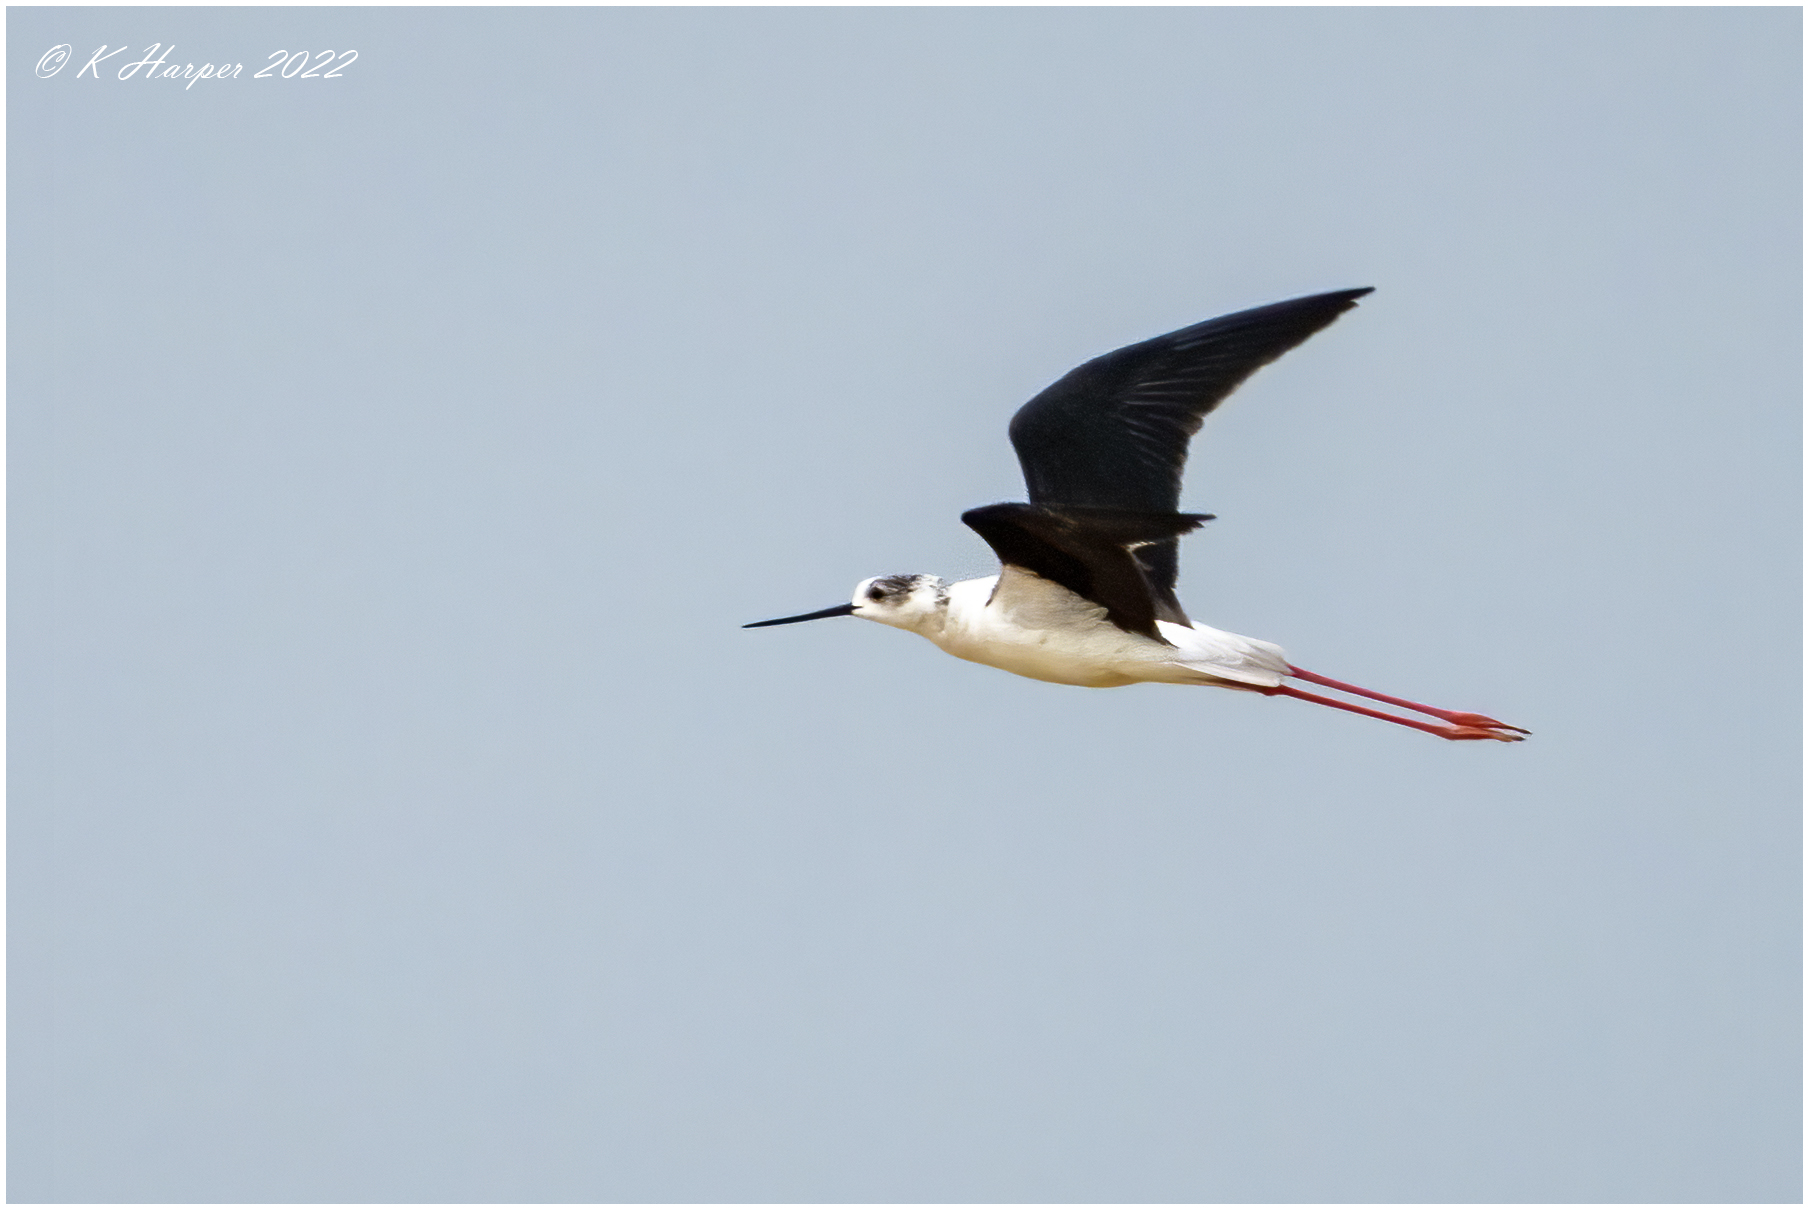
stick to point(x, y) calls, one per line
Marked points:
point(834, 611)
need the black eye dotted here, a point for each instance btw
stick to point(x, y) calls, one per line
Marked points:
point(876, 593)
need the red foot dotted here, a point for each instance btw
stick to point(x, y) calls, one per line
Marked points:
point(1481, 732)
point(1471, 721)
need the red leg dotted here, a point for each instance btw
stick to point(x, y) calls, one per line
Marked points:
point(1445, 732)
point(1451, 716)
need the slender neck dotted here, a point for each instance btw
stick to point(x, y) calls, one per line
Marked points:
point(933, 622)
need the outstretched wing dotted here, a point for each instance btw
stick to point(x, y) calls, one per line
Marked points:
point(1113, 433)
point(1088, 551)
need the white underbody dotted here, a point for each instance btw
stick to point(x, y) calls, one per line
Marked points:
point(1025, 624)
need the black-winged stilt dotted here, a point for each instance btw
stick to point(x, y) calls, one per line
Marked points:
point(1085, 594)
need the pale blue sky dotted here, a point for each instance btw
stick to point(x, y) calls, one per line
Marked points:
point(398, 814)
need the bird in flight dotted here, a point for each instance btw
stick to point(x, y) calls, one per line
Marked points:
point(1085, 593)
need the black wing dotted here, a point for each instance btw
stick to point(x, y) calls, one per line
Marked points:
point(1113, 433)
point(1088, 551)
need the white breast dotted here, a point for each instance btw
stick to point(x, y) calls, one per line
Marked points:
point(1033, 627)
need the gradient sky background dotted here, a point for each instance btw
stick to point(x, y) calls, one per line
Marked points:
point(398, 814)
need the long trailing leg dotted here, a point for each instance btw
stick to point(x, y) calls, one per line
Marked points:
point(1447, 731)
point(1458, 717)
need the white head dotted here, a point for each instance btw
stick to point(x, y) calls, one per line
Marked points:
point(907, 602)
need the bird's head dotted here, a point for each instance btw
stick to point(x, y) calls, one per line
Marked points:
point(906, 602)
